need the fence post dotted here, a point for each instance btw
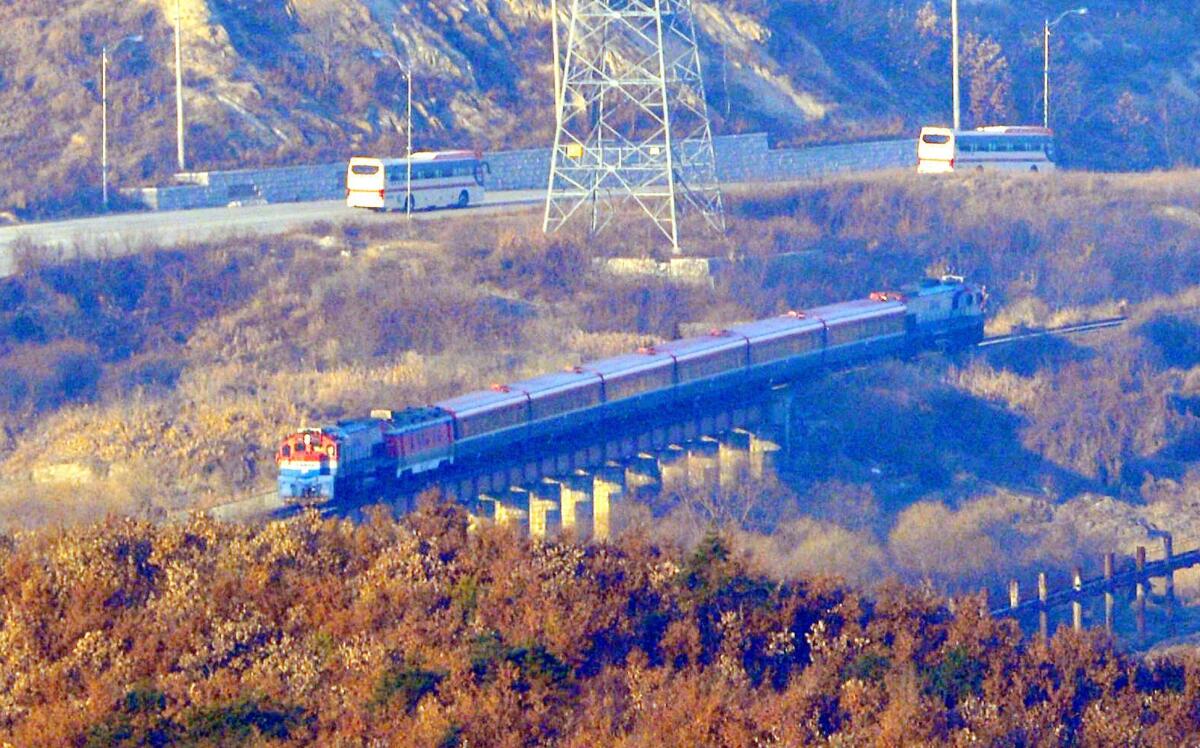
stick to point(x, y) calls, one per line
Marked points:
point(1014, 594)
point(1139, 602)
point(1108, 591)
point(1169, 556)
point(1077, 599)
point(1043, 618)
point(1169, 581)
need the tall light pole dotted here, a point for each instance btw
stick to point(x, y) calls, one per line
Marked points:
point(179, 93)
point(104, 113)
point(1046, 60)
point(407, 71)
point(954, 54)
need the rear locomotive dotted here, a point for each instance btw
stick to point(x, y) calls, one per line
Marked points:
point(946, 312)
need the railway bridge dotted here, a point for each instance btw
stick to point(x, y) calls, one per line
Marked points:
point(575, 484)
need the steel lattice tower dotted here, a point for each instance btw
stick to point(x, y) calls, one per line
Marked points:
point(632, 121)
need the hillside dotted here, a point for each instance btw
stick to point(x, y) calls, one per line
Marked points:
point(285, 81)
point(162, 381)
point(418, 633)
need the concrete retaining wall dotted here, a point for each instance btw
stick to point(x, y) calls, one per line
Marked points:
point(740, 158)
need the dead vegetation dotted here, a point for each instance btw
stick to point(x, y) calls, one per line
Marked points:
point(162, 380)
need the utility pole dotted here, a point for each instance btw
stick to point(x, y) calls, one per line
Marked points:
point(104, 125)
point(406, 69)
point(408, 203)
point(1046, 73)
point(954, 45)
point(179, 93)
point(1047, 25)
point(104, 113)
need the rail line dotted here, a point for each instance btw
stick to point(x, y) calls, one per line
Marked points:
point(1100, 324)
point(267, 505)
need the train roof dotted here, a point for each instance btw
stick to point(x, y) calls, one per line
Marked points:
point(648, 359)
point(776, 327)
point(352, 426)
point(689, 348)
point(546, 384)
point(857, 309)
point(482, 400)
point(410, 416)
point(934, 286)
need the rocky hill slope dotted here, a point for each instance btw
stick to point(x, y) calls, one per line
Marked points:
point(279, 81)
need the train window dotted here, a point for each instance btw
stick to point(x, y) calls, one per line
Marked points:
point(286, 451)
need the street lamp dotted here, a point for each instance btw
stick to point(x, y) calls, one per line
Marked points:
point(1046, 59)
point(380, 54)
point(954, 58)
point(134, 39)
point(179, 93)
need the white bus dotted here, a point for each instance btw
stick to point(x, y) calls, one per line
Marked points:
point(942, 150)
point(440, 179)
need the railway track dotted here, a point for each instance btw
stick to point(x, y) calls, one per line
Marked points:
point(1080, 327)
point(267, 505)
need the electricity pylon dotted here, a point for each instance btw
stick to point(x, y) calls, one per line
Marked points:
point(632, 121)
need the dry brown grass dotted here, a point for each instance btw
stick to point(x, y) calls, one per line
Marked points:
point(333, 321)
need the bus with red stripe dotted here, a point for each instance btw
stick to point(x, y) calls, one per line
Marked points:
point(1002, 147)
point(435, 179)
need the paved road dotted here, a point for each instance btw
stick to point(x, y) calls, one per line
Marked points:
point(130, 231)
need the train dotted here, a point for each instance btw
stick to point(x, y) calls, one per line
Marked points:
point(328, 463)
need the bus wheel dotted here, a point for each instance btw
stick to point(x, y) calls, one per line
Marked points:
point(464, 199)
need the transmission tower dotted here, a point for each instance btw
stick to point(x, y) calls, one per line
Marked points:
point(632, 122)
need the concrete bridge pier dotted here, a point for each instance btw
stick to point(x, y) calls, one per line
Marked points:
point(642, 475)
point(673, 469)
point(733, 457)
point(545, 519)
point(763, 456)
point(783, 413)
point(608, 488)
point(481, 511)
point(703, 464)
point(508, 509)
point(575, 504)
